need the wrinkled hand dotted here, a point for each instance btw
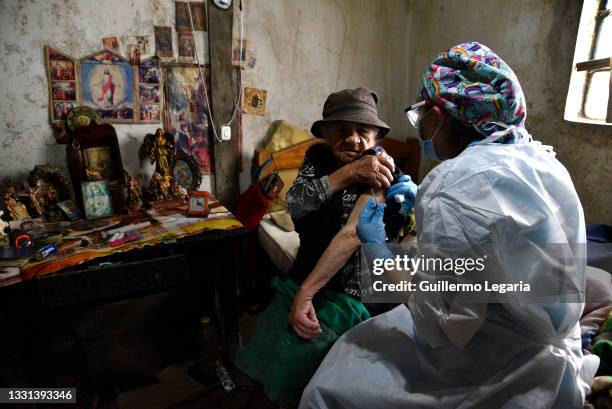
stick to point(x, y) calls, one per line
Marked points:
point(370, 227)
point(374, 170)
point(303, 318)
point(405, 187)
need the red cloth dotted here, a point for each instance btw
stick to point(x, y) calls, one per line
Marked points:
point(251, 207)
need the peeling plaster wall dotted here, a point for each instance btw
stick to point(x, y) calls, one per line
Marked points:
point(537, 39)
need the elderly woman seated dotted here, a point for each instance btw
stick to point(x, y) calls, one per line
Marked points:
point(322, 297)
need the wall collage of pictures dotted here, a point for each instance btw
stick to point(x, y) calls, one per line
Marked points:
point(147, 93)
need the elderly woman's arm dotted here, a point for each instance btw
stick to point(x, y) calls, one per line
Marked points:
point(302, 316)
point(310, 190)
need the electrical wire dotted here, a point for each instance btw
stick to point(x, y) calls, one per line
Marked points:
point(195, 49)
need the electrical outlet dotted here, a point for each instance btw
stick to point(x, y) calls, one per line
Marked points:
point(226, 133)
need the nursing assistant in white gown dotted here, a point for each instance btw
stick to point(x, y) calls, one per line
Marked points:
point(511, 354)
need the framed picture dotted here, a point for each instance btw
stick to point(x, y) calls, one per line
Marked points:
point(186, 113)
point(110, 43)
point(185, 171)
point(70, 209)
point(149, 91)
point(163, 41)
point(97, 199)
point(107, 83)
point(198, 204)
point(99, 159)
point(186, 46)
point(182, 20)
point(62, 77)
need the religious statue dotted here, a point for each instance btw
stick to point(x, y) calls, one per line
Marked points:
point(16, 209)
point(179, 191)
point(160, 148)
point(134, 201)
point(35, 203)
point(166, 186)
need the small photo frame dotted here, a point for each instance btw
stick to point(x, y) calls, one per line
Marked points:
point(97, 199)
point(197, 204)
point(185, 171)
point(186, 46)
point(163, 41)
point(70, 209)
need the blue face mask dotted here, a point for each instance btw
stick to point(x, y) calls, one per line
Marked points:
point(428, 149)
point(427, 145)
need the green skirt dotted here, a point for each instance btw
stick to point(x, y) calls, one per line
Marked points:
point(282, 361)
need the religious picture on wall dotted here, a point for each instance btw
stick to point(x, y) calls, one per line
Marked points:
point(198, 13)
point(63, 90)
point(181, 16)
point(186, 46)
point(186, 113)
point(149, 91)
point(163, 41)
point(182, 20)
point(134, 54)
point(149, 94)
point(97, 199)
point(111, 43)
point(148, 72)
point(107, 86)
point(143, 44)
point(63, 85)
point(61, 109)
point(254, 102)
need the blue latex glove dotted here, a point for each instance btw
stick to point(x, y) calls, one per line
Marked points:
point(370, 226)
point(405, 187)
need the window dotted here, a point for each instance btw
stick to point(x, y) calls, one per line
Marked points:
point(588, 98)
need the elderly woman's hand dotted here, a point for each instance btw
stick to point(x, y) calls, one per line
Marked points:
point(375, 170)
point(303, 318)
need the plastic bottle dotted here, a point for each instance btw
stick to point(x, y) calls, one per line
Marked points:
point(208, 340)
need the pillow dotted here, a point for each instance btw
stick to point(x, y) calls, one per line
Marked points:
point(283, 220)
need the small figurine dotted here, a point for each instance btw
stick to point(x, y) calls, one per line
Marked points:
point(16, 209)
point(166, 186)
point(179, 191)
point(52, 196)
point(35, 203)
point(134, 201)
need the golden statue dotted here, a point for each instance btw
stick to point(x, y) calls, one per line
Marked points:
point(16, 209)
point(160, 148)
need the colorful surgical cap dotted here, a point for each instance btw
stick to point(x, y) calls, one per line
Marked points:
point(475, 85)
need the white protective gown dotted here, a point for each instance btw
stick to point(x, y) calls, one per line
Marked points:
point(475, 355)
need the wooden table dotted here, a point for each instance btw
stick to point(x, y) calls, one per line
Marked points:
point(207, 263)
